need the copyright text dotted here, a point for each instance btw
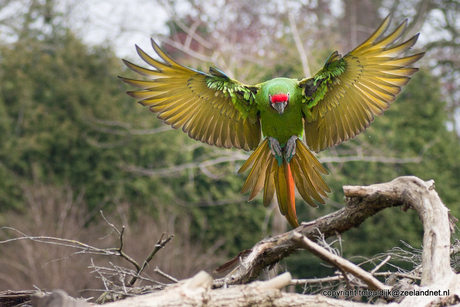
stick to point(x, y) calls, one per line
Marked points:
point(384, 293)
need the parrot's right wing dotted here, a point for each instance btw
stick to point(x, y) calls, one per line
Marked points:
point(211, 108)
point(340, 101)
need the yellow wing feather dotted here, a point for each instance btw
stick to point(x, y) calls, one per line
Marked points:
point(182, 99)
point(373, 75)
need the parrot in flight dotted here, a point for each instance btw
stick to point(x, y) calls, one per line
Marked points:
point(282, 119)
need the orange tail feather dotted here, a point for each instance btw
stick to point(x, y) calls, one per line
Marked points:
point(291, 215)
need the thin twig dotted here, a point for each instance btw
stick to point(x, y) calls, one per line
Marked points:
point(117, 269)
point(341, 263)
point(160, 244)
point(160, 272)
point(381, 264)
point(120, 249)
point(316, 280)
point(397, 274)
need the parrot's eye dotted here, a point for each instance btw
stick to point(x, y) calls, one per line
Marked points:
point(279, 102)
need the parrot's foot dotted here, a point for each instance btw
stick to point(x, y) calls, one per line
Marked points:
point(275, 149)
point(290, 148)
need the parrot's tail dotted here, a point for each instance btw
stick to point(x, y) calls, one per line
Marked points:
point(303, 171)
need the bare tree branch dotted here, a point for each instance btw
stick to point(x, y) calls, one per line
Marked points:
point(239, 156)
point(191, 32)
point(161, 273)
point(381, 264)
point(102, 125)
point(169, 171)
point(190, 52)
point(160, 244)
point(423, 9)
point(298, 42)
point(370, 159)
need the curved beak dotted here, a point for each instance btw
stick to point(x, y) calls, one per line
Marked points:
point(279, 106)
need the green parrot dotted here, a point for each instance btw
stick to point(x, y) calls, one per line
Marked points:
point(272, 117)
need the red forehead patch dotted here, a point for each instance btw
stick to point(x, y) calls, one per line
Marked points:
point(279, 98)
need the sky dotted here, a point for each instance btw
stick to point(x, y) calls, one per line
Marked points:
point(122, 23)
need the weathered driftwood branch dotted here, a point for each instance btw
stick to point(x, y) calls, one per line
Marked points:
point(421, 196)
point(361, 203)
point(196, 291)
point(57, 298)
point(13, 298)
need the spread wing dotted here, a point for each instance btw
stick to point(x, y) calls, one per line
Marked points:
point(340, 101)
point(211, 108)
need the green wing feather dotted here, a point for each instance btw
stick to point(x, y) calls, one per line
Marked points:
point(211, 108)
point(340, 101)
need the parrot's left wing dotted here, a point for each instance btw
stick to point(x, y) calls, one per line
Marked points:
point(211, 108)
point(340, 101)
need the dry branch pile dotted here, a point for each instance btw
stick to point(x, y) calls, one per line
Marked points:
point(439, 285)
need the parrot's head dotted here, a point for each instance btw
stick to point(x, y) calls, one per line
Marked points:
point(279, 101)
